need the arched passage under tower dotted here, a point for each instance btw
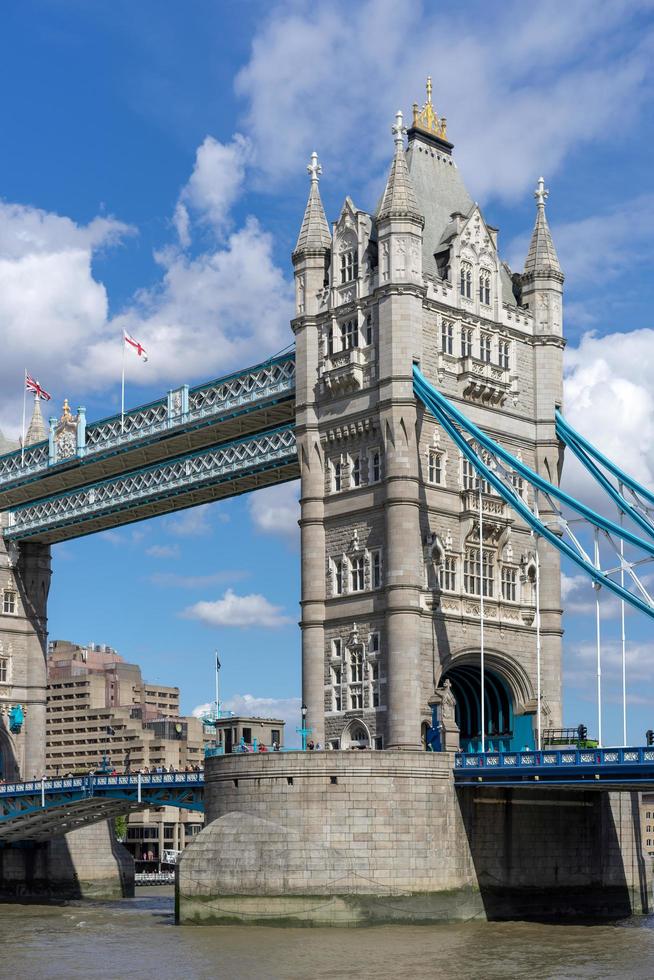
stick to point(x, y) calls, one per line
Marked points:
point(505, 729)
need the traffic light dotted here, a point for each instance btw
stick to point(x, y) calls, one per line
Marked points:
point(582, 733)
point(649, 735)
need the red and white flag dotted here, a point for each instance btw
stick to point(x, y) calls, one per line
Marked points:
point(135, 345)
point(35, 388)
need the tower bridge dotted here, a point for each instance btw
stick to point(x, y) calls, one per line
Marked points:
point(421, 410)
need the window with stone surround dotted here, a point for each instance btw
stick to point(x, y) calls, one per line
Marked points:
point(4, 670)
point(337, 576)
point(337, 647)
point(349, 265)
point(471, 572)
point(375, 569)
point(484, 287)
point(357, 574)
point(368, 329)
point(373, 643)
point(485, 348)
point(465, 280)
point(446, 570)
point(435, 466)
point(518, 484)
point(471, 478)
point(9, 605)
point(355, 470)
point(447, 337)
point(504, 353)
point(337, 679)
point(349, 334)
point(355, 689)
point(337, 475)
point(509, 583)
point(374, 466)
point(466, 342)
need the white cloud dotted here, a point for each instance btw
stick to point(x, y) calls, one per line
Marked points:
point(564, 70)
point(173, 581)
point(285, 709)
point(578, 598)
point(608, 399)
point(163, 551)
point(241, 611)
point(210, 312)
point(215, 184)
point(276, 510)
point(580, 665)
point(196, 521)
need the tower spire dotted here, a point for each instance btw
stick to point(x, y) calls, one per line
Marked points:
point(314, 232)
point(36, 431)
point(542, 255)
point(399, 199)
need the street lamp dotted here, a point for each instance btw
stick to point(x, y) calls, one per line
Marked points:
point(304, 731)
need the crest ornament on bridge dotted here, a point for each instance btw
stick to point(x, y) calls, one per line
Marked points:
point(65, 434)
point(427, 119)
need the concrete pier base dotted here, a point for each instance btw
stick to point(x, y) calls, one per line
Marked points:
point(86, 863)
point(352, 838)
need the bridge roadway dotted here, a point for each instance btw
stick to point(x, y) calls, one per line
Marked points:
point(623, 768)
point(219, 439)
point(40, 809)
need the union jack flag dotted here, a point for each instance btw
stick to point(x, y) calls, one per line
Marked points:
point(36, 388)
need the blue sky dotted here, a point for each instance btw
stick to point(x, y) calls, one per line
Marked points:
point(153, 177)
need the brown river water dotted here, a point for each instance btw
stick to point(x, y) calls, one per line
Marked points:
point(137, 938)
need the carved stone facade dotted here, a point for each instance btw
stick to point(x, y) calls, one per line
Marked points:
point(390, 533)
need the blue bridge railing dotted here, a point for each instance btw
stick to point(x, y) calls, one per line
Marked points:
point(563, 765)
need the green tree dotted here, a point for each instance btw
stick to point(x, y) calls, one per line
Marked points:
point(120, 826)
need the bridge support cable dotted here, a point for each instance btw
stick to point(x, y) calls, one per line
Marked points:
point(640, 504)
point(502, 471)
point(481, 619)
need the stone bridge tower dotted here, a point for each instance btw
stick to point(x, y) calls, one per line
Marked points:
point(24, 585)
point(391, 565)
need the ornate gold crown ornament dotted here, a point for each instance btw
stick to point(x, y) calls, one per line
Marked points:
point(426, 118)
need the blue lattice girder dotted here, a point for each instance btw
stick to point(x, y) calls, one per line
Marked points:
point(252, 400)
point(455, 422)
point(37, 811)
point(221, 471)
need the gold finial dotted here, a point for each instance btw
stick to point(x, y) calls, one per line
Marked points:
point(426, 118)
point(66, 414)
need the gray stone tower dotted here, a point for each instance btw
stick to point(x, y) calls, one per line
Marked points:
point(391, 565)
point(24, 586)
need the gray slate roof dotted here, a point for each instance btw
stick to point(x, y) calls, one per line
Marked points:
point(399, 198)
point(439, 191)
point(542, 256)
point(314, 233)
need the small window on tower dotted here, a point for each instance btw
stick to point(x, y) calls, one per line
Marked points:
point(357, 576)
point(504, 353)
point(355, 471)
point(9, 602)
point(374, 466)
point(485, 287)
point(435, 467)
point(485, 347)
point(337, 476)
point(369, 329)
point(466, 342)
point(376, 568)
point(447, 337)
point(337, 566)
point(348, 335)
point(465, 280)
point(349, 265)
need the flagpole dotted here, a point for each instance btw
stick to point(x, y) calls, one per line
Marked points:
point(122, 391)
point(22, 441)
point(217, 684)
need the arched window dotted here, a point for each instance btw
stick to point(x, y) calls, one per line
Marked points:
point(465, 281)
point(349, 335)
point(472, 572)
point(485, 287)
point(349, 265)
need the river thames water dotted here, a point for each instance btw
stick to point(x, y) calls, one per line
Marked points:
point(137, 938)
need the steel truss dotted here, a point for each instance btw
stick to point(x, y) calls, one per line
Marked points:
point(209, 468)
point(183, 408)
point(571, 519)
point(39, 809)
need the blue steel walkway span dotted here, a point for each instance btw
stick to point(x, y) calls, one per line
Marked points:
point(626, 769)
point(256, 399)
point(40, 809)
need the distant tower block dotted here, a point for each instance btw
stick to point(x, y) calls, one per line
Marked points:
point(391, 565)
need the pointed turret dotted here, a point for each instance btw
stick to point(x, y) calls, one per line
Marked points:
point(36, 431)
point(542, 257)
point(314, 233)
point(399, 199)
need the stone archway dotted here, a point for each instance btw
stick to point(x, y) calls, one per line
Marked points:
point(8, 769)
point(504, 730)
point(356, 736)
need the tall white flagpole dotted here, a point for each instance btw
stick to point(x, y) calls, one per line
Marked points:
point(22, 441)
point(599, 645)
point(215, 653)
point(624, 636)
point(122, 390)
